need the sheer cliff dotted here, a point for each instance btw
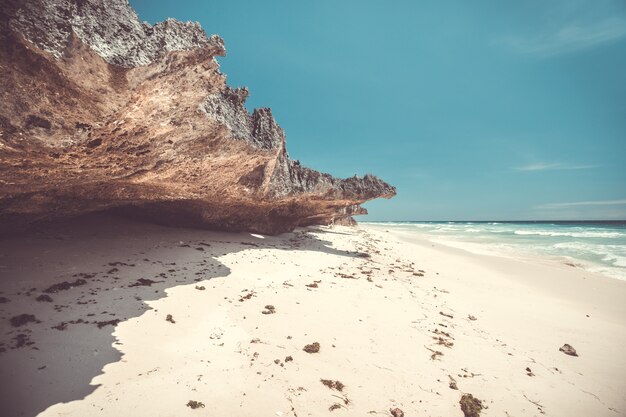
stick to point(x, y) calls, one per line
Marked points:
point(99, 111)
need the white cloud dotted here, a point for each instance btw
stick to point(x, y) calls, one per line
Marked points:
point(556, 206)
point(553, 166)
point(568, 38)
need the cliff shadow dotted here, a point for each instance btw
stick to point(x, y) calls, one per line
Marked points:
point(65, 286)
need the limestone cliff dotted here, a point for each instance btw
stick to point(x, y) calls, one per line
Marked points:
point(99, 111)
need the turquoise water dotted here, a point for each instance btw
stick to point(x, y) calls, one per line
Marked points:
point(595, 246)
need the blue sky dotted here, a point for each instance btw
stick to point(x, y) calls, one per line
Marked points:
point(482, 110)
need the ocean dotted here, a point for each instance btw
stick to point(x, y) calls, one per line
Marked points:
point(598, 246)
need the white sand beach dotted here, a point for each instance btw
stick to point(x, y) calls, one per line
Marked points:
point(222, 320)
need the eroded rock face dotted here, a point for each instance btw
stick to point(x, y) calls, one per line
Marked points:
point(99, 111)
point(110, 27)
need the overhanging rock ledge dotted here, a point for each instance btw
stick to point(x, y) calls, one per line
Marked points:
point(99, 111)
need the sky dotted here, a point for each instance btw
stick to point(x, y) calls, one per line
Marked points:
point(482, 110)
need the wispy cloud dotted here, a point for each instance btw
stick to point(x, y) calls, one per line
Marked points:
point(570, 37)
point(553, 166)
point(556, 206)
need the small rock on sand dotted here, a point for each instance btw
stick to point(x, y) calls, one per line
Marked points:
point(470, 406)
point(396, 412)
point(170, 319)
point(269, 309)
point(312, 348)
point(568, 350)
point(195, 404)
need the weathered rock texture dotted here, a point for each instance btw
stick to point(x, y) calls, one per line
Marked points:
point(99, 111)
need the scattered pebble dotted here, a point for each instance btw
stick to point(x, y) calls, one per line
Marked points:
point(195, 404)
point(470, 405)
point(396, 412)
point(247, 296)
point(269, 309)
point(568, 350)
point(312, 348)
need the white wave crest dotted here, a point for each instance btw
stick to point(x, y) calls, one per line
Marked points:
point(609, 235)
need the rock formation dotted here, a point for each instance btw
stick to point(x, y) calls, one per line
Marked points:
point(99, 111)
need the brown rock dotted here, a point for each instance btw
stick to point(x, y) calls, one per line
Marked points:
point(195, 404)
point(269, 309)
point(396, 412)
point(568, 350)
point(470, 406)
point(312, 348)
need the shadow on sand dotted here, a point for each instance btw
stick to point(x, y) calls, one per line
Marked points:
point(65, 286)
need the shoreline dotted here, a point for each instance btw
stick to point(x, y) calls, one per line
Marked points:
point(520, 250)
point(506, 265)
point(394, 336)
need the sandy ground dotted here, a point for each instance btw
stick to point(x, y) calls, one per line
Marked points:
point(222, 319)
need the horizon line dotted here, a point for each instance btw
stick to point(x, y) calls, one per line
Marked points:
point(498, 221)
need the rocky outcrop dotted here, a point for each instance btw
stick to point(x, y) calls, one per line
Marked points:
point(99, 111)
point(109, 27)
